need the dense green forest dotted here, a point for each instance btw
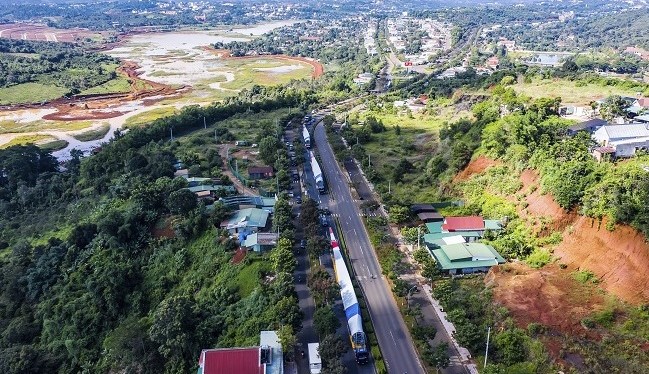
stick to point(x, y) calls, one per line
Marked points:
point(59, 64)
point(87, 285)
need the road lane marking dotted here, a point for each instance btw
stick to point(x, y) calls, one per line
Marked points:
point(393, 339)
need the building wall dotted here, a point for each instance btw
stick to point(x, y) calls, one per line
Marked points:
point(482, 269)
point(628, 150)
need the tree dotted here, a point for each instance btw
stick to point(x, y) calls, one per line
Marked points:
point(316, 246)
point(510, 346)
point(399, 214)
point(282, 257)
point(324, 288)
point(287, 339)
point(268, 149)
point(411, 234)
point(438, 356)
point(282, 216)
point(325, 321)
point(181, 201)
point(331, 348)
point(173, 322)
point(612, 107)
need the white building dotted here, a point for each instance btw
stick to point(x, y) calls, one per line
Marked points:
point(625, 139)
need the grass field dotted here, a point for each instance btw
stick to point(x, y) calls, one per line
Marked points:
point(265, 72)
point(94, 134)
point(149, 116)
point(30, 93)
point(9, 126)
point(119, 84)
point(54, 145)
point(25, 139)
point(570, 92)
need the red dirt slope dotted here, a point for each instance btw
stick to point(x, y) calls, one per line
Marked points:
point(476, 166)
point(620, 259)
point(549, 296)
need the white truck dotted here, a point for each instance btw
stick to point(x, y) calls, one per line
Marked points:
point(315, 363)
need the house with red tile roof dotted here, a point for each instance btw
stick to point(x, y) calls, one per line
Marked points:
point(467, 223)
point(267, 358)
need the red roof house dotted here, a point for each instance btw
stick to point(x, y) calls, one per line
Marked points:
point(230, 361)
point(468, 223)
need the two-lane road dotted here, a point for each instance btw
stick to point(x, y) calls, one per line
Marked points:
point(391, 331)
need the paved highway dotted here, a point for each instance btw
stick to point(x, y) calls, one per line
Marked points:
point(396, 346)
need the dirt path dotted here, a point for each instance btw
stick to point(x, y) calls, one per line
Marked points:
point(223, 152)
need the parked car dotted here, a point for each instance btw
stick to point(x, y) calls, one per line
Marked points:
point(303, 243)
point(298, 200)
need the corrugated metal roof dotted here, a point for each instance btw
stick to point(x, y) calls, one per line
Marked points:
point(230, 361)
point(473, 223)
point(434, 227)
point(260, 169)
point(430, 216)
point(250, 217)
point(634, 130)
point(466, 255)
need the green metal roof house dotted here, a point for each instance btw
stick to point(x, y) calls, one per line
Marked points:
point(248, 220)
point(466, 258)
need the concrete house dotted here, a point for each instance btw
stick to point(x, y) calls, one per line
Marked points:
point(626, 140)
point(260, 241)
point(266, 358)
point(260, 172)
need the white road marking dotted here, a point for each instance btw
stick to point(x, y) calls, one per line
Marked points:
point(393, 339)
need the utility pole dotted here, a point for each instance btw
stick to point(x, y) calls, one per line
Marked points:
point(236, 166)
point(171, 130)
point(215, 139)
point(204, 122)
point(389, 185)
point(486, 351)
point(418, 236)
point(369, 161)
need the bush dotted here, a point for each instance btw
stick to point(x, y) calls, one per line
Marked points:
point(539, 258)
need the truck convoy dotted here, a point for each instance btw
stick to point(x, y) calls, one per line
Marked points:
point(317, 174)
point(315, 362)
point(350, 304)
point(307, 137)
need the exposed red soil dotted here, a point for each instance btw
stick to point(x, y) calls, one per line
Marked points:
point(549, 296)
point(239, 255)
point(44, 33)
point(164, 231)
point(476, 166)
point(619, 258)
point(539, 205)
point(318, 68)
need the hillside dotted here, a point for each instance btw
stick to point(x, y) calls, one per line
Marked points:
point(111, 265)
point(572, 295)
